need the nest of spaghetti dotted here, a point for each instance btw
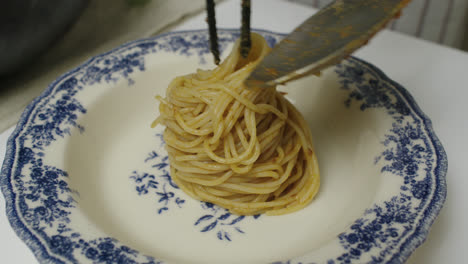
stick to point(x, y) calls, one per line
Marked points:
point(247, 149)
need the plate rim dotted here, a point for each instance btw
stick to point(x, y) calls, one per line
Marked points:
point(40, 250)
point(436, 203)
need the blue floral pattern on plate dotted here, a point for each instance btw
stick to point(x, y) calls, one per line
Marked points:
point(167, 195)
point(40, 202)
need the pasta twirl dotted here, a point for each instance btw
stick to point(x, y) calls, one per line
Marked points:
point(246, 149)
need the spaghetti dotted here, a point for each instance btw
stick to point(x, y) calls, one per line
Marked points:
point(246, 149)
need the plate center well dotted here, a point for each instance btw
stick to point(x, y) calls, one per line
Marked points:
point(150, 215)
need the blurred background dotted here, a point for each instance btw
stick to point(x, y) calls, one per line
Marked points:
point(440, 21)
point(42, 39)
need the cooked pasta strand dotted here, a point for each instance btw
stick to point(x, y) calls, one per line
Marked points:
point(246, 149)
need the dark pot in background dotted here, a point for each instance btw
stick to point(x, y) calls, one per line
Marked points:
point(29, 27)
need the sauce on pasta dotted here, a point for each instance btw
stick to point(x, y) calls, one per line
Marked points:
point(246, 149)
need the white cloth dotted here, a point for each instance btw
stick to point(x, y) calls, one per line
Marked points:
point(441, 21)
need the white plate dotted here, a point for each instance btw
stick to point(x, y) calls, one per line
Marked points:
point(86, 178)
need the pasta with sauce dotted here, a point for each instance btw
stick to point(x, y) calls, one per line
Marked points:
point(246, 149)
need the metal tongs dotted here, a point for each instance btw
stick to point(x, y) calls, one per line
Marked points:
point(324, 39)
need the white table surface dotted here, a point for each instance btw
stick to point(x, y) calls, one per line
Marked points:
point(436, 76)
